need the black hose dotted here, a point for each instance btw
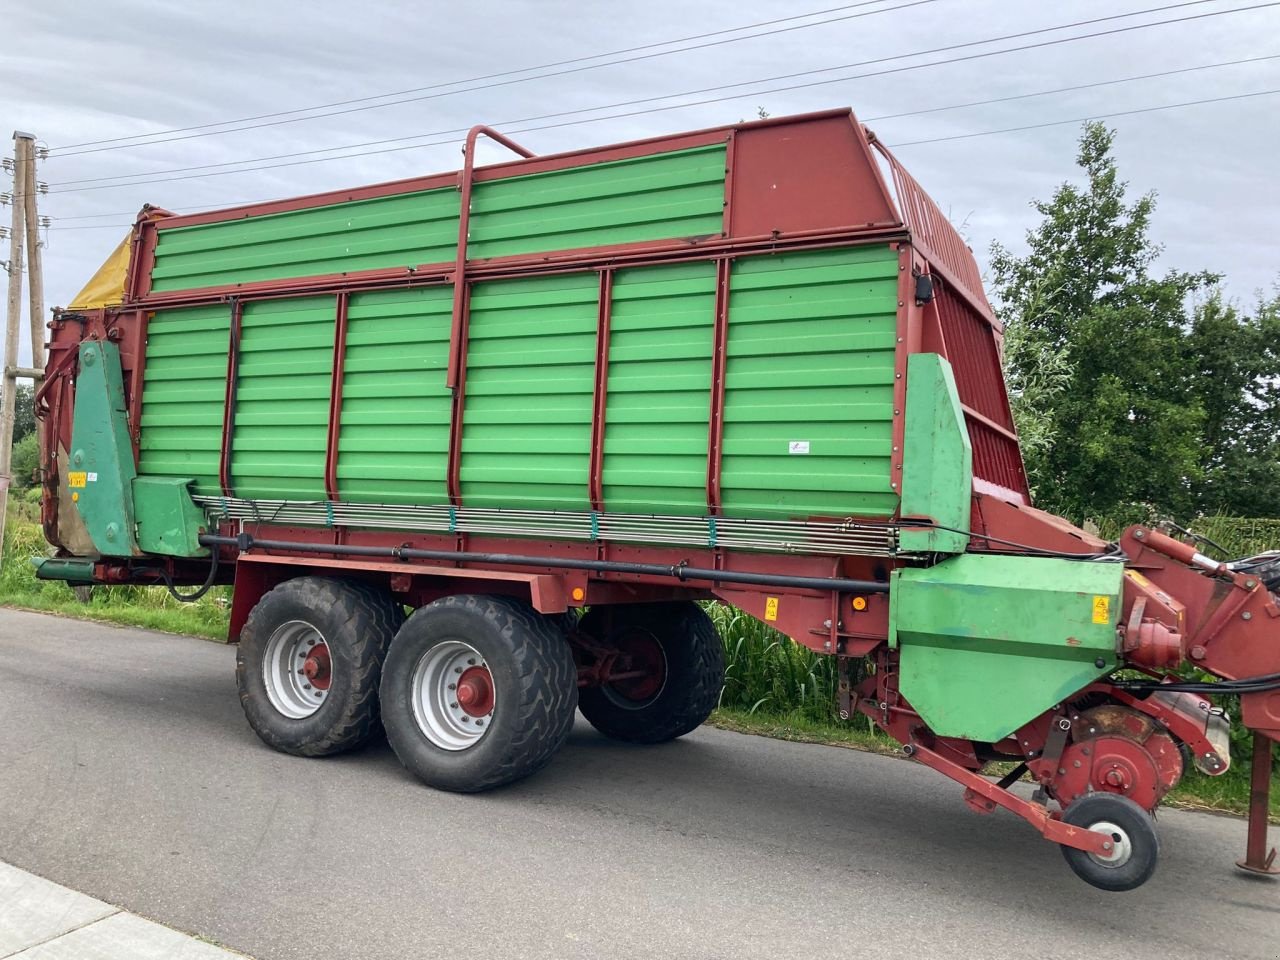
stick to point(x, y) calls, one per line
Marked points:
point(1258, 684)
point(680, 571)
point(173, 591)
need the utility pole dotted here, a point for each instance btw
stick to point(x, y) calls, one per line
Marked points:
point(24, 231)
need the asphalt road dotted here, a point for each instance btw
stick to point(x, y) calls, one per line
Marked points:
point(127, 772)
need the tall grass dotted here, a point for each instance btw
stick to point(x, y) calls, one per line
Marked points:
point(765, 672)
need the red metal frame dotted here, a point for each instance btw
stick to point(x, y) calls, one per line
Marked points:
point(1224, 622)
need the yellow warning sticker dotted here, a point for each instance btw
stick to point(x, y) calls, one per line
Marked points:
point(771, 608)
point(77, 478)
point(1101, 609)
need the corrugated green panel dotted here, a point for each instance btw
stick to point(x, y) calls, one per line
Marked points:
point(810, 368)
point(661, 338)
point(530, 377)
point(664, 195)
point(183, 394)
point(395, 231)
point(394, 444)
point(282, 399)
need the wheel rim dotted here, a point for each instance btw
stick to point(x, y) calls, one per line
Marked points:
point(297, 669)
point(640, 652)
point(453, 695)
point(1122, 847)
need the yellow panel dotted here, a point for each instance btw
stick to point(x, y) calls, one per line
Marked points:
point(106, 288)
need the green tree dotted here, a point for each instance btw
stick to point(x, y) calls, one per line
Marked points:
point(24, 420)
point(1238, 384)
point(1097, 352)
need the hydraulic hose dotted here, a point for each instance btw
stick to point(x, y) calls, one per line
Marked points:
point(679, 571)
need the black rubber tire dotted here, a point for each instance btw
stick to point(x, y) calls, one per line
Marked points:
point(694, 676)
point(1129, 816)
point(357, 621)
point(535, 686)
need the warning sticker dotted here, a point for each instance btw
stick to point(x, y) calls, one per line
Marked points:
point(77, 478)
point(798, 447)
point(771, 608)
point(1101, 609)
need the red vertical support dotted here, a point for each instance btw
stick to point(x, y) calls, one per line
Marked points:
point(1258, 859)
point(600, 395)
point(909, 337)
point(335, 397)
point(719, 357)
point(229, 407)
point(136, 343)
point(466, 182)
point(727, 223)
point(453, 481)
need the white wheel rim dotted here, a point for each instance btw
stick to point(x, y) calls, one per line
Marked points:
point(296, 669)
point(1121, 849)
point(443, 720)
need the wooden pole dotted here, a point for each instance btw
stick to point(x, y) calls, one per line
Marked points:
point(35, 272)
point(23, 157)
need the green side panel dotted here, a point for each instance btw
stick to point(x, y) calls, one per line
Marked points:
point(530, 378)
point(282, 399)
point(660, 344)
point(937, 463)
point(169, 522)
point(394, 443)
point(658, 197)
point(101, 467)
point(396, 231)
point(809, 384)
point(988, 643)
point(183, 395)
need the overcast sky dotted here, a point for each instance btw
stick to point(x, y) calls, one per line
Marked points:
point(75, 71)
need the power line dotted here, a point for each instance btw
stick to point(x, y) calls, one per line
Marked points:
point(69, 188)
point(963, 136)
point(1071, 89)
point(548, 116)
point(488, 76)
point(67, 152)
point(1096, 116)
point(1186, 3)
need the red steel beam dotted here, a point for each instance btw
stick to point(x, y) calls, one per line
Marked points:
point(1258, 859)
point(466, 182)
point(229, 404)
point(719, 362)
point(453, 475)
point(987, 796)
point(600, 394)
point(335, 397)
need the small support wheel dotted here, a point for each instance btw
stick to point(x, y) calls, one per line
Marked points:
point(1135, 845)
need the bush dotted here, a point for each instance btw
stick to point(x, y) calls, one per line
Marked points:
point(26, 460)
